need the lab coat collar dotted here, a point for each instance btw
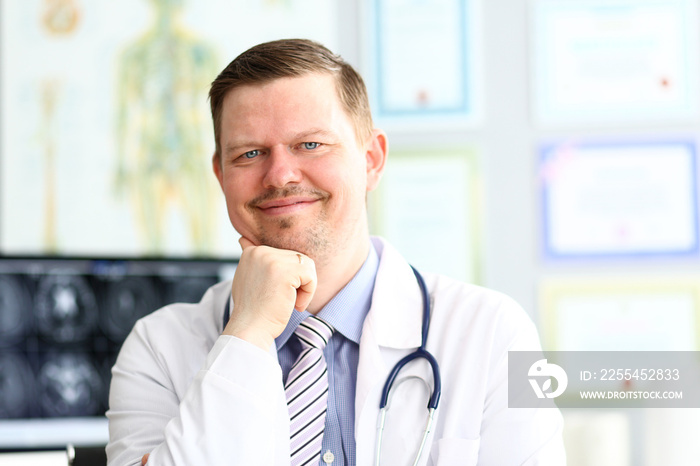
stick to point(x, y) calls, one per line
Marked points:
point(393, 323)
point(397, 306)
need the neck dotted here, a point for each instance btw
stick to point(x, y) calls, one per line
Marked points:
point(337, 272)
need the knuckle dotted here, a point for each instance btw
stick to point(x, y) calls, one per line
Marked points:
point(275, 267)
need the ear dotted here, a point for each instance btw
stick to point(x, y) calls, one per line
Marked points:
point(218, 169)
point(376, 152)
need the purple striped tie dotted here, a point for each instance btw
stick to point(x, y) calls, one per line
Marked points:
point(307, 392)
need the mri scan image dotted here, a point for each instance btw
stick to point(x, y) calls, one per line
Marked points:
point(62, 323)
point(69, 385)
point(65, 308)
point(15, 310)
point(16, 386)
point(125, 301)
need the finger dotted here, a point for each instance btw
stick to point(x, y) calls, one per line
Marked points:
point(303, 299)
point(144, 460)
point(307, 284)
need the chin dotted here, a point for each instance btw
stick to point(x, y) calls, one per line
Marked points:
point(312, 243)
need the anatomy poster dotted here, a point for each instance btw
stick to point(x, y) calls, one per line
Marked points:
point(106, 132)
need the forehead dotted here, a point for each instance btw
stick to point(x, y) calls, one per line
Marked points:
point(284, 104)
point(317, 90)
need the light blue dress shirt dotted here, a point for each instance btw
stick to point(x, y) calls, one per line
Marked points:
point(346, 312)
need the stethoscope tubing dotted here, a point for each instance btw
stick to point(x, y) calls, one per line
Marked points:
point(419, 353)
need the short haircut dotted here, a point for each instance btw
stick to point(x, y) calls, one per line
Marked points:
point(292, 58)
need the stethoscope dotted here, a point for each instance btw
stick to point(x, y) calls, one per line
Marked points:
point(421, 352)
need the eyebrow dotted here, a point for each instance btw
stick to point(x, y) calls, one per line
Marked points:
point(235, 148)
point(316, 132)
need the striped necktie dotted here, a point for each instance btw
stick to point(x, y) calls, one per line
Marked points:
point(307, 392)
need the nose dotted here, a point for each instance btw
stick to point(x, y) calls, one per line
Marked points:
point(282, 168)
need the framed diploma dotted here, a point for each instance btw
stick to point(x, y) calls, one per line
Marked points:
point(650, 313)
point(428, 207)
point(619, 199)
point(614, 61)
point(422, 62)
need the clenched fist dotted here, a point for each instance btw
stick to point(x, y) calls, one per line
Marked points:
point(268, 284)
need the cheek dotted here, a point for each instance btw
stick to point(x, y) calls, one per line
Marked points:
point(235, 190)
point(346, 181)
point(351, 189)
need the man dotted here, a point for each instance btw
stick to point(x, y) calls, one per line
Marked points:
point(296, 153)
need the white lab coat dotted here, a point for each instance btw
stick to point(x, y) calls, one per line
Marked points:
point(190, 396)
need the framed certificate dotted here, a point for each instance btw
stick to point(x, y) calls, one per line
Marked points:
point(428, 207)
point(614, 61)
point(619, 199)
point(649, 313)
point(422, 62)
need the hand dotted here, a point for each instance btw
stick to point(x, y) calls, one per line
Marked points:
point(268, 284)
point(144, 460)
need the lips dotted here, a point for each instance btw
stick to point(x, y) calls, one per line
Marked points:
point(286, 205)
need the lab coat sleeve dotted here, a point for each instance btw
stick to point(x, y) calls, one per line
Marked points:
point(517, 436)
point(232, 412)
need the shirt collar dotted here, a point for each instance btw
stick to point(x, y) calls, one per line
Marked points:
point(347, 310)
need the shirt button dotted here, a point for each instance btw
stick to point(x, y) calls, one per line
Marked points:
point(328, 457)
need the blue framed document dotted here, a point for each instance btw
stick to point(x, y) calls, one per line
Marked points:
point(619, 199)
point(614, 61)
point(422, 61)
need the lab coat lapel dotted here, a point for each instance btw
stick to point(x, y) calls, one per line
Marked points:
point(391, 329)
point(372, 371)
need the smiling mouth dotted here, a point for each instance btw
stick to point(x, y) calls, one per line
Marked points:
point(286, 206)
point(288, 200)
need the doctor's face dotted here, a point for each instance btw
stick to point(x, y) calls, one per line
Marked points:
point(292, 170)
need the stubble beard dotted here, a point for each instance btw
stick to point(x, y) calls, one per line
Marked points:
point(312, 239)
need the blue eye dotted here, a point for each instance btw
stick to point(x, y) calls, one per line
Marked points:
point(251, 154)
point(311, 145)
